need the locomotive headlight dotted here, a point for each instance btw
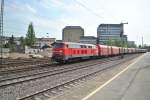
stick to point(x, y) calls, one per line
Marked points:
point(60, 51)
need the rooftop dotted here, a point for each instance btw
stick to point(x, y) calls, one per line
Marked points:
point(88, 37)
point(74, 27)
point(105, 25)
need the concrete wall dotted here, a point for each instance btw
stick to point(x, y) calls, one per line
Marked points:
point(5, 52)
point(31, 50)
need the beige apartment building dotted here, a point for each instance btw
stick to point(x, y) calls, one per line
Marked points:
point(72, 33)
point(40, 42)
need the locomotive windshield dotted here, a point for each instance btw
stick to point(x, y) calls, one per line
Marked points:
point(58, 45)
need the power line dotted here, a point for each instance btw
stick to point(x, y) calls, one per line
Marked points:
point(88, 9)
point(91, 11)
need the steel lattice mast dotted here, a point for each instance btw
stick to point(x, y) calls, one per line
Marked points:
point(1, 28)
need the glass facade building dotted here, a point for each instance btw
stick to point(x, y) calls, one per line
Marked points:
point(106, 32)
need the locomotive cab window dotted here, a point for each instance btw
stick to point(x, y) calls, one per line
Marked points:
point(81, 46)
point(66, 45)
point(58, 45)
point(84, 46)
point(89, 46)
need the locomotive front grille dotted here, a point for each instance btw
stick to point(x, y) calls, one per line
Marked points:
point(57, 57)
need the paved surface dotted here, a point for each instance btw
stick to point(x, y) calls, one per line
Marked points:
point(132, 84)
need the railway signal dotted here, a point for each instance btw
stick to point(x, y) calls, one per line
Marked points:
point(121, 35)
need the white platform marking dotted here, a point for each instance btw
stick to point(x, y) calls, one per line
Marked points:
point(99, 88)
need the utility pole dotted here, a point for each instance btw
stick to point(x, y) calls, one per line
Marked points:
point(142, 41)
point(1, 29)
point(97, 40)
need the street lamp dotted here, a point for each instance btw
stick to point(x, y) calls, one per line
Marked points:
point(121, 35)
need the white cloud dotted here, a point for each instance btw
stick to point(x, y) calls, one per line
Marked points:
point(21, 8)
point(51, 3)
point(31, 9)
point(135, 12)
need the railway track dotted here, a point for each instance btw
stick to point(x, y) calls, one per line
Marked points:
point(71, 81)
point(10, 64)
point(19, 61)
point(48, 72)
point(45, 66)
point(58, 71)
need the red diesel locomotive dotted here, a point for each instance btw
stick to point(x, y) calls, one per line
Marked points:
point(65, 51)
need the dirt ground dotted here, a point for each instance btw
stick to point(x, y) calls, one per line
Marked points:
point(26, 56)
point(18, 55)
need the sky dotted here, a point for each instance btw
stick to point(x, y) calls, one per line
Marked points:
point(51, 16)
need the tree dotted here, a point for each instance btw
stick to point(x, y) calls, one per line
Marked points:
point(132, 45)
point(110, 42)
point(146, 47)
point(117, 42)
point(140, 46)
point(30, 36)
point(11, 43)
point(22, 42)
point(11, 40)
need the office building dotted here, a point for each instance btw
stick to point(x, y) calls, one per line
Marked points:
point(106, 32)
point(72, 33)
point(88, 39)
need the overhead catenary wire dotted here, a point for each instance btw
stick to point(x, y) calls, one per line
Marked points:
point(88, 9)
point(94, 13)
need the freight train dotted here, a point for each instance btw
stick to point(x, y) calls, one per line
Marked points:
point(67, 51)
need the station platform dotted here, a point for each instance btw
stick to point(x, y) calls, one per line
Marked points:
point(132, 83)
